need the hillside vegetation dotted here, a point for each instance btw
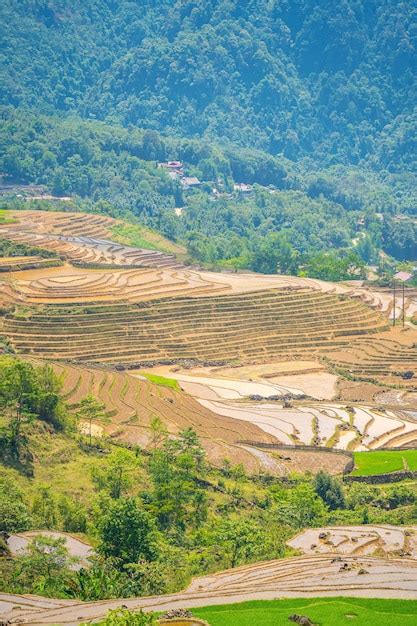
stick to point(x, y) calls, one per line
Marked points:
point(291, 221)
point(188, 517)
point(314, 109)
point(207, 354)
point(228, 71)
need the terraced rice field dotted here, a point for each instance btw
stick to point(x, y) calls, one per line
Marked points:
point(15, 263)
point(383, 358)
point(329, 425)
point(267, 380)
point(88, 238)
point(386, 541)
point(305, 576)
point(71, 285)
point(213, 388)
point(304, 422)
point(166, 314)
point(131, 403)
point(385, 461)
point(249, 327)
point(323, 611)
point(383, 299)
point(80, 237)
point(17, 544)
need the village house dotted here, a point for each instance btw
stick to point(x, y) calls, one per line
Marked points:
point(190, 181)
point(172, 165)
point(175, 174)
point(174, 169)
point(243, 188)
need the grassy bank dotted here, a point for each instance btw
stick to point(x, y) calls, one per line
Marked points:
point(171, 383)
point(142, 237)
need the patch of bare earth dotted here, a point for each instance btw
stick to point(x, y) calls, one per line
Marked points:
point(371, 539)
point(301, 461)
point(351, 391)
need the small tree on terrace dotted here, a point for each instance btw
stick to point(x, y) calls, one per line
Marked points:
point(44, 507)
point(116, 475)
point(239, 540)
point(159, 431)
point(45, 568)
point(17, 395)
point(127, 533)
point(14, 512)
point(330, 490)
point(175, 470)
point(28, 392)
point(91, 409)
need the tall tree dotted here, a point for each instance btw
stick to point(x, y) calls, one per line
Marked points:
point(127, 532)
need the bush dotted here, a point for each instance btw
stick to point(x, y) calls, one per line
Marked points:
point(127, 533)
point(330, 490)
point(14, 513)
point(124, 617)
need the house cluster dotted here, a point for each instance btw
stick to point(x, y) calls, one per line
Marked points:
point(175, 170)
point(26, 192)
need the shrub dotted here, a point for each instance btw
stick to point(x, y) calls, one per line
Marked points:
point(124, 617)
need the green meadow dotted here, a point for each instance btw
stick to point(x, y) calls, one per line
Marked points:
point(321, 611)
point(384, 462)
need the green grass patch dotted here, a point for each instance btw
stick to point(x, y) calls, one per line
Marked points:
point(142, 237)
point(322, 611)
point(384, 462)
point(5, 217)
point(162, 380)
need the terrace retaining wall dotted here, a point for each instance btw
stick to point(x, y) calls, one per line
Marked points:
point(377, 479)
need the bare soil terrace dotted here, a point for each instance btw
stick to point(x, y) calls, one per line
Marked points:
point(131, 404)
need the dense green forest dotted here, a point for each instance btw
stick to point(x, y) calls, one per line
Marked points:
point(315, 109)
point(286, 223)
point(295, 78)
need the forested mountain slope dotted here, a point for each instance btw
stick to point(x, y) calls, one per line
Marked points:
point(310, 104)
point(302, 78)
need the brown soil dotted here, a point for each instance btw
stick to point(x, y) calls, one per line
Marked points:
point(300, 461)
point(350, 391)
point(371, 539)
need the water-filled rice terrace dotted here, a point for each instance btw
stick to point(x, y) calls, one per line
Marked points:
point(224, 339)
point(385, 540)
point(112, 305)
point(304, 576)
